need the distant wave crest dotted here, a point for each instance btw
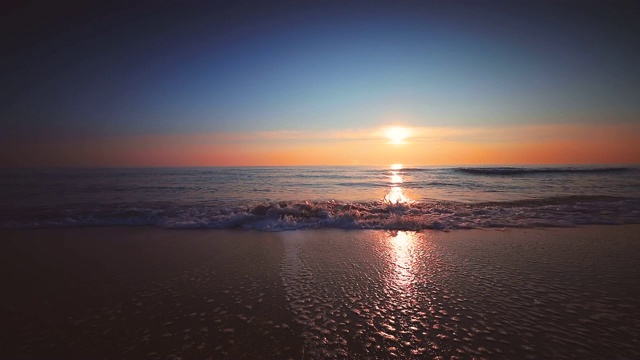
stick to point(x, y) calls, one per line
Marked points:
point(291, 215)
point(523, 171)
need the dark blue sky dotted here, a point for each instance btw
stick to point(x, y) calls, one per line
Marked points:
point(167, 67)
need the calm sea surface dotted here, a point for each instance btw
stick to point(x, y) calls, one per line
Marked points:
point(282, 198)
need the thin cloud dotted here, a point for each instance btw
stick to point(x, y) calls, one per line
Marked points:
point(513, 133)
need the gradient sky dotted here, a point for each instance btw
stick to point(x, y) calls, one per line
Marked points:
point(169, 83)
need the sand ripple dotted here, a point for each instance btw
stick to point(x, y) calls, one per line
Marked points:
point(406, 295)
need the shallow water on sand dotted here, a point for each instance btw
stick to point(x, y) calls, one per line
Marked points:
point(404, 295)
point(534, 294)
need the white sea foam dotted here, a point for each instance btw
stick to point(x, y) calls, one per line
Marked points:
point(292, 215)
point(273, 199)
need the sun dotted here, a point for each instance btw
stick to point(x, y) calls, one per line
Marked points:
point(397, 134)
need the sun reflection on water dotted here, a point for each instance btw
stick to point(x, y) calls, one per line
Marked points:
point(395, 194)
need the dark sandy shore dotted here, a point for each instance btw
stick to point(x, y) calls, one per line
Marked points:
point(149, 293)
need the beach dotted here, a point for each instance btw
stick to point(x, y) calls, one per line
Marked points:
point(216, 180)
point(153, 293)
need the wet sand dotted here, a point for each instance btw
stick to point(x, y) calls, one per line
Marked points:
point(149, 293)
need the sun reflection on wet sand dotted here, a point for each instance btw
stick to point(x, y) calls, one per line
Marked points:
point(430, 295)
point(408, 276)
point(402, 245)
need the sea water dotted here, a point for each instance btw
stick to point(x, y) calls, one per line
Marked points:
point(392, 197)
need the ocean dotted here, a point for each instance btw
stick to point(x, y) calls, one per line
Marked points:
point(286, 198)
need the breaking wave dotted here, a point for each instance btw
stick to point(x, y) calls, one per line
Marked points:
point(291, 215)
point(524, 171)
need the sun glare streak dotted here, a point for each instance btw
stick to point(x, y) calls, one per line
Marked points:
point(397, 134)
point(403, 247)
point(396, 178)
point(395, 194)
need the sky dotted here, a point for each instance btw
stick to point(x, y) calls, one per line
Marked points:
point(186, 83)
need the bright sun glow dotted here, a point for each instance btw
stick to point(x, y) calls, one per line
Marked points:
point(397, 134)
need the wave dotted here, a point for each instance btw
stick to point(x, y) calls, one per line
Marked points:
point(523, 171)
point(410, 169)
point(290, 215)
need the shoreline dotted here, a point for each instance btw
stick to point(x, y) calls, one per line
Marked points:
point(320, 228)
point(145, 292)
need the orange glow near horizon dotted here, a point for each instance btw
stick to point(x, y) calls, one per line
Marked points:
point(549, 144)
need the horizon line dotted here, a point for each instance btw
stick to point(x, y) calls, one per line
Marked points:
point(26, 167)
